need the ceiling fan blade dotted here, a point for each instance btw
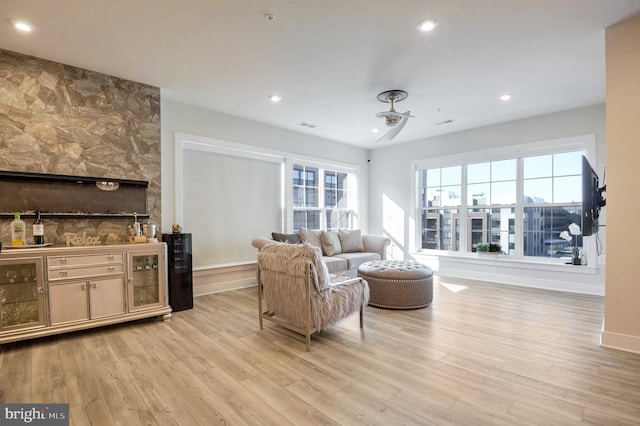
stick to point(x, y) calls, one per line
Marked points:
point(394, 130)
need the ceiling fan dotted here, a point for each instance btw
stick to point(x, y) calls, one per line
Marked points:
point(393, 119)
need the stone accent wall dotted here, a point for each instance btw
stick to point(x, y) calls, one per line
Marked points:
point(64, 120)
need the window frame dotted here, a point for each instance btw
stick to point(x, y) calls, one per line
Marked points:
point(586, 143)
point(322, 167)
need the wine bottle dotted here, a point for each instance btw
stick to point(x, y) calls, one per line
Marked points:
point(38, 230)
point(18, 231)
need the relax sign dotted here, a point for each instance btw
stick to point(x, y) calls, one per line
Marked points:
point(80, 239)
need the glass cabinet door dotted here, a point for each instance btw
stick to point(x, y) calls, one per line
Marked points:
point(21, 294)
point(146, 280)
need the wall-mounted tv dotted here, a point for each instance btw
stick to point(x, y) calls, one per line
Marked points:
point(593, 198)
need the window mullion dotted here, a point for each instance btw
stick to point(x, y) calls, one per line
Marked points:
point(519, 211)
point(463, 213)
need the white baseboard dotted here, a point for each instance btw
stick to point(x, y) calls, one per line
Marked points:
point(224, 278)
point(621, 342)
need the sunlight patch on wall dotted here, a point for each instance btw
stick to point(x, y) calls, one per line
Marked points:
point(393, 227)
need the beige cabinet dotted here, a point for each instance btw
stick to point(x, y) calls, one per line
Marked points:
point(85, 286)
point(84, 300)
point(54, 290)
point(146, 280)
point(22, 304)
point(106, 297)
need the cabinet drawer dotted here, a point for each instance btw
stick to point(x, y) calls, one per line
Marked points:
point(90, 259)
point(89, 271)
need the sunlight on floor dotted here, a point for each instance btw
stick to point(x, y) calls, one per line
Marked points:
point(454, 288)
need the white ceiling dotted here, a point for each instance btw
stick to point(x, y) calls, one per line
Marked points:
point(329, 59)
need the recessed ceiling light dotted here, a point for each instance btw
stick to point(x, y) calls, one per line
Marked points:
point(275, 98)
point(375, 130)
point(505, 97)
point(427, 25)
point(23, 26)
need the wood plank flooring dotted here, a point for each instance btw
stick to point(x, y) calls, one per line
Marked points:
point(481, 354)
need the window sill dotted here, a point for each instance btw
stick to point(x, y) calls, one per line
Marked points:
point(504, 261)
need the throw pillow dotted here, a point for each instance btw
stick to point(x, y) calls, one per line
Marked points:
point(330, 243)
point(310, 236)
point(351, 241)
point(286, 238)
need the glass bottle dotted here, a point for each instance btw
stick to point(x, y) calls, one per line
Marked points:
point(18, 231)
point(38, 230)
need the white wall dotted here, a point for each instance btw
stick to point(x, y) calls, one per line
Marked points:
point(177, 117)
point(390, 183)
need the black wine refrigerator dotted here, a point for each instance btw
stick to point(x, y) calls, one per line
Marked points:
point(180, 271)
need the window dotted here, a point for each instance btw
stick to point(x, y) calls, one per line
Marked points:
point(552, 200)
point(521, 203)
point(321, 198)
point(440, 200)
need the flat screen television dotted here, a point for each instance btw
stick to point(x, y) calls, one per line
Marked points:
point(592, 198)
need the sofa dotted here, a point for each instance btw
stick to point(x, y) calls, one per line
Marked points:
point(342, 251)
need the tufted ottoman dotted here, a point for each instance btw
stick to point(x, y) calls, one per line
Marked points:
point(397, 284)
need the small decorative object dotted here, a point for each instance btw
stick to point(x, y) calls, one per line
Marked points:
point(106, 185)
point(176, 228)
point(574, 230)
point(73, 239)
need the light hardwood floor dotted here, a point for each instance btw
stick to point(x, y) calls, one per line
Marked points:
point(481, 354)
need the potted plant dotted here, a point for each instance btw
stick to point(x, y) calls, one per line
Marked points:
point(574, 231)
point(482, 247)
point(492, 248)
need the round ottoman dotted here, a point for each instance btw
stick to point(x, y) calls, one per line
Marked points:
point(398, 284)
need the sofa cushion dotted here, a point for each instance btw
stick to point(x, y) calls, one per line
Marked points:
point(351, 241)
point(286, 238)
point(335, 264)
point(311, 236)
point(356, 259)
point(330, 243)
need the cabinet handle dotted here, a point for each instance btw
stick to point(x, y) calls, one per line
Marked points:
point(111, 257)
point(63, 260)
point(83, 287)
point(111, 268)
point(40, 290)
point(63, 273)
point(93, 284)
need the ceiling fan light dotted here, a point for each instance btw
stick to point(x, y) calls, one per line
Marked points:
point(392, 121)
point(22, 26)
point(427, 25)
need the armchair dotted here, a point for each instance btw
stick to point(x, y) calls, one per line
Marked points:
point(299, 294)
